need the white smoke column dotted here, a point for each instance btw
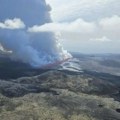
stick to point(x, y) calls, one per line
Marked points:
point(37, 49)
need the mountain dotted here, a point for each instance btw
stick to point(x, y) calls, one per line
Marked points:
point(69, 91)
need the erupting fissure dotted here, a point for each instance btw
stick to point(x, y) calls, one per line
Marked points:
point(37, 49)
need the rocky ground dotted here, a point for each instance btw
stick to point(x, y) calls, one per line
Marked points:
point(57, 95)
point(105, 63)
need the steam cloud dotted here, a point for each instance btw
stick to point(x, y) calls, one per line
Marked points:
point(37, 49)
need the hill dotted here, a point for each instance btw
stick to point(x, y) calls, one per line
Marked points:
point(58, 94)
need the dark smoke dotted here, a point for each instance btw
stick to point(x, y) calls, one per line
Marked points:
point(37, 49)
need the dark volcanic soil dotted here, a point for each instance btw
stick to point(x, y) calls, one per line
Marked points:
point(58, 95)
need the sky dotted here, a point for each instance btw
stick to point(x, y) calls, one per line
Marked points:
point(86, 26)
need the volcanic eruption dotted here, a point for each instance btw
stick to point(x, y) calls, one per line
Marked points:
point(37, 49)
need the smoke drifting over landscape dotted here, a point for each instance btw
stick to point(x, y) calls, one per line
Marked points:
point(37, 49)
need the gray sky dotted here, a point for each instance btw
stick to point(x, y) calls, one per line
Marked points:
point(87, 26)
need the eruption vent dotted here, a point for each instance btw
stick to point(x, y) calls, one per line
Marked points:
point(37, 49)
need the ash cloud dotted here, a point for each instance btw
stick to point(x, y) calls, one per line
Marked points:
point(37, 49)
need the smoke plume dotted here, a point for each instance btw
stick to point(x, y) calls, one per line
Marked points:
point(37, 49)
